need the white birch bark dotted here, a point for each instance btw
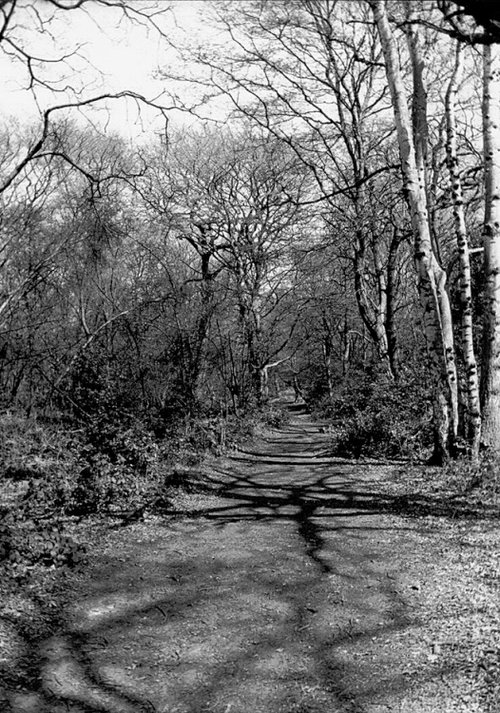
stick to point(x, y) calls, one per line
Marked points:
point(467, 336)
point(431, 277)
point(420, 139)
point(490, 372)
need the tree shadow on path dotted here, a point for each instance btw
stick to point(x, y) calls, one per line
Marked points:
point(288, 594)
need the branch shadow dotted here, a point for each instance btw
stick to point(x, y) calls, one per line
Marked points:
point(211, 630)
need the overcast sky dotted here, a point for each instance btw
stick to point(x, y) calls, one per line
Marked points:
point(115, 55)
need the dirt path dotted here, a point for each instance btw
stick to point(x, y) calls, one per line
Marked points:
point(290, 591)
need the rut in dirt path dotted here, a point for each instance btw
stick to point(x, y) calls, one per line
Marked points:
point(283, 593)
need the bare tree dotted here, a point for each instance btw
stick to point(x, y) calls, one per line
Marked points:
point(432, 277)
point(52, 76)
point(490, 374)
point(313, 81)
point(240, 210)
point(461, 231)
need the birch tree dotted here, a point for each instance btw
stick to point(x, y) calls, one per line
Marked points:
point(431, 276)
point(461, 232)
point(490, 374)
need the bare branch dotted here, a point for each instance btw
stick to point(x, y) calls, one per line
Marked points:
point(36, 149)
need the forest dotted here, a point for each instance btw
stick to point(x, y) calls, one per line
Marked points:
point(314, 220)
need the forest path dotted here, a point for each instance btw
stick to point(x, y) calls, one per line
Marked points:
point(289, 591)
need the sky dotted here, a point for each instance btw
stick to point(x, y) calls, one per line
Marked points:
point(113, 55)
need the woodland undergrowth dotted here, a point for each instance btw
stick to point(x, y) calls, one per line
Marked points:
point(371, 418)
point(57, 481)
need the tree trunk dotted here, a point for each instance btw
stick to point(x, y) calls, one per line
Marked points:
point(204, 319)
point(373, 316)
point(251, 327)
point(490, 372)
point(467, 335)
point(431, 277)
point(420, 138)
point(391, 290)
point(371, 302)
point(345, 345)
point(327, 357)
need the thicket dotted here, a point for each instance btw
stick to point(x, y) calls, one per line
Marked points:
point(372, 416)
point(112, 465)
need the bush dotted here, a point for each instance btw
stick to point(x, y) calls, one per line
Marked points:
point(105, 467)
point(116, 468)
point(375, 417)
point(28, 542)
point(275, 417)
point(202, 435)
point(29, 449)
point(113, 464)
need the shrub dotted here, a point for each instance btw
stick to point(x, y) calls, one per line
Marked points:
point(108, 467)
point(202, 434)
point(275, 417)
point(114, 463)
point(116, 468)
point(29, 449)
point(375, 417)
point(28, 542)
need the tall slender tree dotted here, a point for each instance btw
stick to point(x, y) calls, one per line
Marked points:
point(431, 276)
point(490, 374)
point(461, 232)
